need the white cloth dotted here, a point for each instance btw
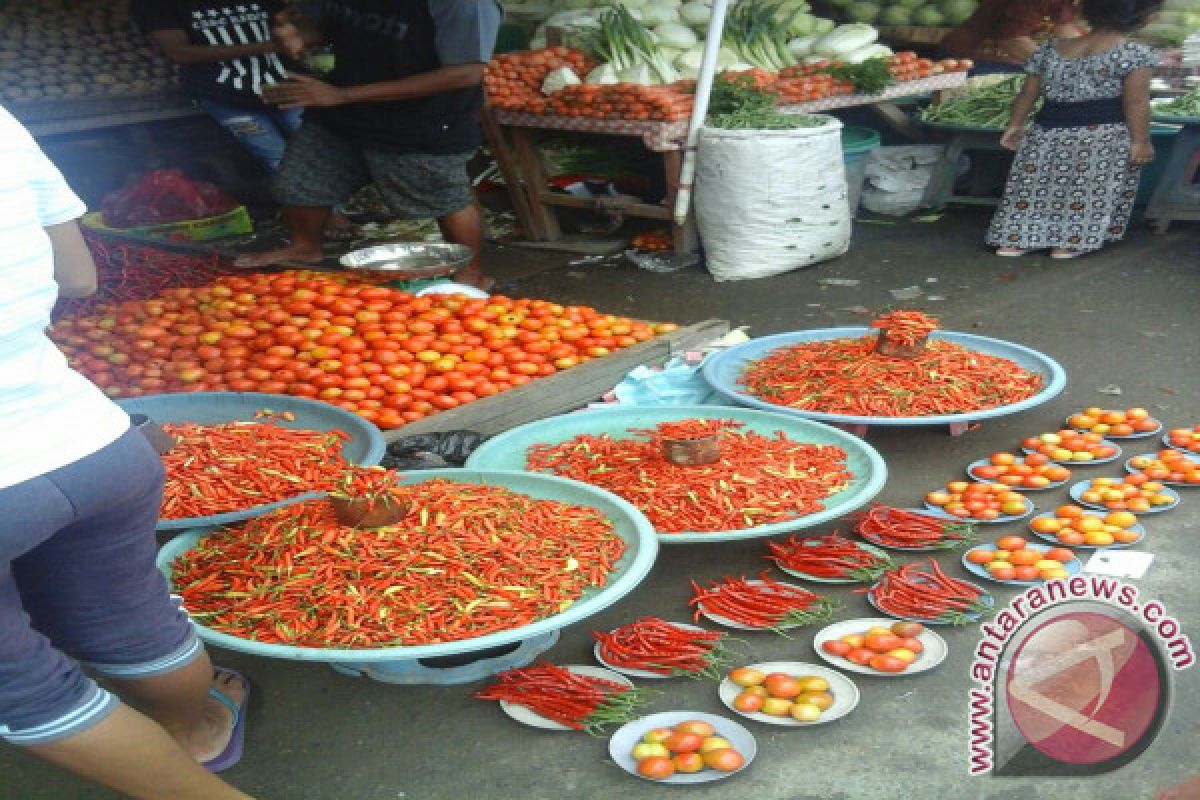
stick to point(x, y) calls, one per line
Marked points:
point(50, 416)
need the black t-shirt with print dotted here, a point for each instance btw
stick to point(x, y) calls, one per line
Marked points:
point(237, 81)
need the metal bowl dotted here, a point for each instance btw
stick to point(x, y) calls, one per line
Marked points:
point(407, 260)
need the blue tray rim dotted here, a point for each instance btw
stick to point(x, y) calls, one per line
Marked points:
point(647, 544)
point(1051, 369)
point(872, 483)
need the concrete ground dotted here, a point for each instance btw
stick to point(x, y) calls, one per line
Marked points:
point(1123, 318)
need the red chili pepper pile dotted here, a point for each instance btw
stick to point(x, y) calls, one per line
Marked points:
point(763, 603)
point(848, 376)
point(929, 595)
point(829, 556)
point(580, 702)
point(655, 645)
point(215, 469)
point(906, 328)
point(900, 527)
point(758, 479)
point(468, 560)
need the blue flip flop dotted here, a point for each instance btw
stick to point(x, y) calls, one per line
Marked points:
point(232, 754)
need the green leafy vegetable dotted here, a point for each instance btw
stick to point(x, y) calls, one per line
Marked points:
point(735, 103)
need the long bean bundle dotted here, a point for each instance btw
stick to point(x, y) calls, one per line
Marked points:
point(988, 106)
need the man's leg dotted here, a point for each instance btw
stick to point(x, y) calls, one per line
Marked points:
point(434, 186)
point(318, 171)
point(259, 131)
point(466, 227)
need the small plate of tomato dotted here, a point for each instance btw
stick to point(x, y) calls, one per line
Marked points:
point(736, 748)
point(843, 644)
point(788, 685)
point(1022, 557)
point(1031, 473)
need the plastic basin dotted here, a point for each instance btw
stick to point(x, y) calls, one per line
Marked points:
point(507, 451)
point(630, 525)
point(723, 372)
point(857, 144)
point(365, 447)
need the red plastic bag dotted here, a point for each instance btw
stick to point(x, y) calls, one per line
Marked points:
point(162, 196)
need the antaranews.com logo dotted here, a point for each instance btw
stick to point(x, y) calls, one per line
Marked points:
point(1073, 678)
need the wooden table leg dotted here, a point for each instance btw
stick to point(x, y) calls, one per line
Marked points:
point(899, 121)
point(544, 217)
point(509, 169)
point(685, 237)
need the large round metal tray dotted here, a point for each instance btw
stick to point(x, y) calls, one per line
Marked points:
point(628, 572)
point(407, 260)
point(723, 372)
point(365, 447)
point(507, 451)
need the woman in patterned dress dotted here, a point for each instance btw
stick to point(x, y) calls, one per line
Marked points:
point(1077, 166)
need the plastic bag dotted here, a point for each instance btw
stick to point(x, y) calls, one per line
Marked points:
point(896, 178)
point(769, 201)
point(163, 196)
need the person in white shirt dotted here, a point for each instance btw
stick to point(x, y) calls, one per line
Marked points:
point(79, 497)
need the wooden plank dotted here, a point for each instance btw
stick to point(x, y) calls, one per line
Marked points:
point(506, 160)
point(564, 391)
point(529, 161)
point(684, 237)
point(646, 210)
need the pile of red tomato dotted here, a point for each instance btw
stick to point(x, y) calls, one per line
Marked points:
point(885, 649)
point(690, 746)
point(383, 353)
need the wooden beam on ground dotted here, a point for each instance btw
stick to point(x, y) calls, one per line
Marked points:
point(564, 391)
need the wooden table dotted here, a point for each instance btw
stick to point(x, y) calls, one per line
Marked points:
point(513, 141)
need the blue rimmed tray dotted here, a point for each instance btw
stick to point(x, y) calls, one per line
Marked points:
point(365, 447)
point(723, 371)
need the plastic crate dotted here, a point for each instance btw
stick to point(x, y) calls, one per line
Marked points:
point(232, 223)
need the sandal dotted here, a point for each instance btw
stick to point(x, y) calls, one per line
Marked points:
point(1062, 254)
point(232, 754)
point(1010, 252)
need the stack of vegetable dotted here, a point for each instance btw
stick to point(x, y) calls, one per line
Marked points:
point(1177, 20)
point(1186, 105)
point(581, 702)
point(928, 13)
point(985, 102)
point(71, 49)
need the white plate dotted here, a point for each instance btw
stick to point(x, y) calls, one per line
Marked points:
point(1078, 489)
point(1181, 484)
point(1093, 462)
point(620, 746)
point(1166, 440)
point(932, 548)
point(728, 623)
point(1022, 489)
point(533, 719)
point(1073, 567)
point(934, 653)
point(1136, 435)
point(1139, 529)
point(866, 548)
point(1029, 509)
point(845, 693)
point(985, 597)
point(641, 673)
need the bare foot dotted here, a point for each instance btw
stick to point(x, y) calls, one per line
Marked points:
point(473, 276)
point(340, 228)
point(283, 256)
point(212, 733)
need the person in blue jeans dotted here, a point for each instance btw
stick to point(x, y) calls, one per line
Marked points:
point(226, 56)
point(80, 491)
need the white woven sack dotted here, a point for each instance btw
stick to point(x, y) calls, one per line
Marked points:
point(770, 201)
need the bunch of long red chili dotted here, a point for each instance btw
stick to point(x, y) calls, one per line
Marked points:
point(214, 469)
point(900, 527)
point(580, 702)
point(468, 560)
point(761, 604)
point(655, 645)
point(758, 479)
point(906, 328)
point(371, 484)
point(930, 595)
point(829, 556)
point(848, 376)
